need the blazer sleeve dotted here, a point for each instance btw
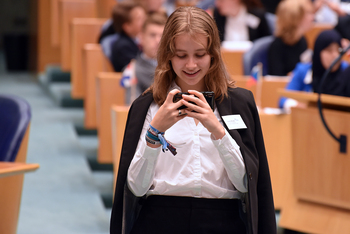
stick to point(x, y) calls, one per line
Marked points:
point(266, 209)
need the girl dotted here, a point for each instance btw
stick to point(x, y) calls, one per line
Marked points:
point(193, 170)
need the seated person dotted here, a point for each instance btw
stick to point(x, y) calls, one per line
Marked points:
point(240, 20)
point(326, 49)
point(333, 84)
point(328, 11)
point(344, 83)
point(139, 73)
point(128, 18)
point(149, 6)
point(294, 18)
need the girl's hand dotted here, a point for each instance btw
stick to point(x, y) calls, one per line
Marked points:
point(168, 114)
point(203, 113)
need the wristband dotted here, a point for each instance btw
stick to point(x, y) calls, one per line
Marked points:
point(165, 144)
point(151, 141)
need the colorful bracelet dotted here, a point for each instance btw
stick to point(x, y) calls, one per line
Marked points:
point(151, 141)
point(154, 133)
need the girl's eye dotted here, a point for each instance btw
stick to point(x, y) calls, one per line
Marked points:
point(181, 56)
point(200, 55)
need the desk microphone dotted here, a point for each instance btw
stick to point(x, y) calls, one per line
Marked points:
point(342, 138)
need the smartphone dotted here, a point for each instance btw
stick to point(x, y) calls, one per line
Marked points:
point(208, 95)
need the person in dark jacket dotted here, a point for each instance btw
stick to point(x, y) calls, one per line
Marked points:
point(329, 42)
point(213, 174)
point(240, 20)
point(294, 19)
point(128, 18)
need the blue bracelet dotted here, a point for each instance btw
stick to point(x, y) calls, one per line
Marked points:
point(151, 136)
point(163, 142)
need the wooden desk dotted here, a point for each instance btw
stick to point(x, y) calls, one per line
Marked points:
point(277, 132)
point(68, 10)
point(108, 93)
point(320, 201)
point(105, 7)
point(47, 52)
point(119, 118)
point(83, 30)
point(269, 89)
point(233, 61)
point(55, 23)
point(94, 62)
point(14, 168)
point(11, 184)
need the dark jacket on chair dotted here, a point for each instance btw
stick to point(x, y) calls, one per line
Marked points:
point(261, 31)
point(257, 205)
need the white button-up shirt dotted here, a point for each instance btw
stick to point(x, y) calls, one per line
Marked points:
point(203, 167)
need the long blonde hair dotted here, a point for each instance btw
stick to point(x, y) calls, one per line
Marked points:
point(193, 21)
point(289, 14)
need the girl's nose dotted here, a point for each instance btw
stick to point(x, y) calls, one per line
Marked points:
point(191, 63)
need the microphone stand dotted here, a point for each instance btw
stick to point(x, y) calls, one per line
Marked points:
point(342, 138)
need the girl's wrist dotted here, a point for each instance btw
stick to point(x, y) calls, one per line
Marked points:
point(219, 134)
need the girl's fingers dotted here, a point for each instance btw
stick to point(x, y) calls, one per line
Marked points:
point(171, 94)
point(198, 94)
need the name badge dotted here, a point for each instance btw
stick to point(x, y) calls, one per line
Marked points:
point(234, 122)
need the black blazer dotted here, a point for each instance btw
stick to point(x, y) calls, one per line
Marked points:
point(261, 31)
point(123, 50)
point(257, 205)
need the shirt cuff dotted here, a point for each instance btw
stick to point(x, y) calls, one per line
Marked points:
point(149, 153)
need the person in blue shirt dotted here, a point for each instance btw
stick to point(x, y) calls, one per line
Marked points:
point(326, 49)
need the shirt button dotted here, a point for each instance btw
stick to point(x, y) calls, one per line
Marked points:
point(196, 133)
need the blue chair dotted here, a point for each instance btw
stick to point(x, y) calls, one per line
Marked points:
point(258, 53)
point(15, 115)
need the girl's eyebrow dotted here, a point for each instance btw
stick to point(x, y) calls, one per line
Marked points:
point(186, 51)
